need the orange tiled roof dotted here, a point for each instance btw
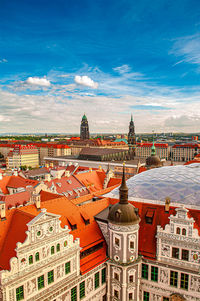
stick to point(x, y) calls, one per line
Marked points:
point(15, 182)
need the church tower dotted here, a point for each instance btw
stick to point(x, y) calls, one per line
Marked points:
point(124, 262)
point(131, 138)
point(84, 129)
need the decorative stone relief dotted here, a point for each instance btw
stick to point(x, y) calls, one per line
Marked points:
point(60, 271)
point(89, 286)
point(165, 250)
point(195, 256)
point(156, 297)
point(195, 284)
point(31, 286)
point(163, 275)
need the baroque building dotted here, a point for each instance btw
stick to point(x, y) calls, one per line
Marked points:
point(100, 248)
point(84, 129)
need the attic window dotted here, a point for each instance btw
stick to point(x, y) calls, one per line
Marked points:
point(85, 218)
point(72, 223)
point(149, 216)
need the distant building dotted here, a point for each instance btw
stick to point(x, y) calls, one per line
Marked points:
point(23, 155)
point(84, 130)
point(131, 138)
point(103, 154)
point(185, 152)
point(143, 150)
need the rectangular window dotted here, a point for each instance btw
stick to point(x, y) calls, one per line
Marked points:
point(131, 278)
point(117, 241)
point(175, 253)
point(50, 277)
point(67, 267)
point(20, 293)
point(185, 255)
point(103, 276)
point(74, 294)
point(184, 281)
point(116, 294)
point(145, 269)
point(40, 282)
point(131, 244)
point(82, 289)
point(173, 278)
point(130, 296)
point(116, 276)
point(146, 296)
point(154, 273)
point(96, 280)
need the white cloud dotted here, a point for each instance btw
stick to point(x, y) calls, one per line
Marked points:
point(122, 69)
point(187, 48)
point(3, 61)
point(38, 81)
point(85, 81)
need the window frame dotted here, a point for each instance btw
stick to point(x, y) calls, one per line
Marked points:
point(103, 276)
point(96, 280)
point(37, 256)
point(154, 273)
point(67, 267)
point(74, 293)
point(173, 278)
point(30, 259)
point(50, 276)
point(20, 293)
point(145, 271)
point(40, 282)
point(184, 283)
point(82, 289)
point(183, 253)
point(176, 252)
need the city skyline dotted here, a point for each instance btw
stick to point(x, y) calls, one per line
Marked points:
point(59, 60)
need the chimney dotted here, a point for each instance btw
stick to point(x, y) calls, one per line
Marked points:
point(2, 210)
point(47, 177)
point(67, 173)
point(37, 201)
point(167, 204)
point(1, 176)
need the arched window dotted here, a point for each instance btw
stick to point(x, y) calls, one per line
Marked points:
point(58, 247)
point(30, 259)
point(52, 250)
point(183, 231)
point(37, 256)
point(178, 230)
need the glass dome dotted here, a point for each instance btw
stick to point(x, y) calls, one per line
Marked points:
point(181, 183)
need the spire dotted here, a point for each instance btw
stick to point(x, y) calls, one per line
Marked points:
point(132, 117)
point(153, 149)
point(123, 190)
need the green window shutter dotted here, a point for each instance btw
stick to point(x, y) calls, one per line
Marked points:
point(40, 282)
point(37, 256)
point(82, 289)
point(20, 293)
point(96, 280)
point(145, 269)
point(184, 281)
point(30, 259)
point(67, 267)
point(103, 276)
point(50, 277)
point(74, 294)
point(173, 278)
point(154, 273)
point(146, 296)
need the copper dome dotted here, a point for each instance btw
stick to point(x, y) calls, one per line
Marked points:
point(153, 161)
point(123, 212)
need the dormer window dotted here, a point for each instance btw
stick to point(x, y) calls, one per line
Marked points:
point(149, 216)
point(118, 214)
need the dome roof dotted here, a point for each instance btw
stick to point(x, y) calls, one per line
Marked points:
point(181, 183)
point(153, 161)
point(123, 212)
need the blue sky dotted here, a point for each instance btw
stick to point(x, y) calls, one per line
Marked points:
point(59, 59)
